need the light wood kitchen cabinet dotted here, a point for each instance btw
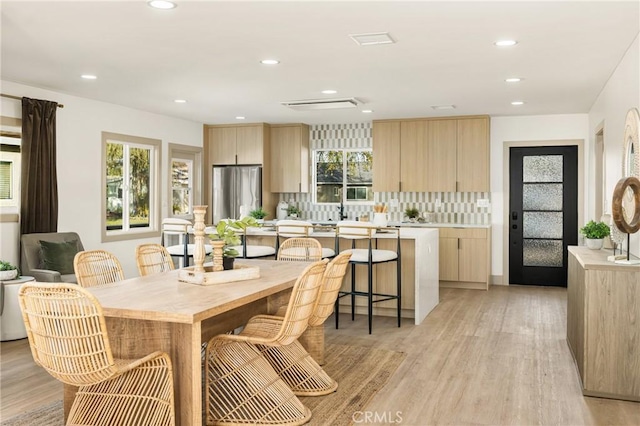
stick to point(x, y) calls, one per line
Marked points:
point(448, 154)
point(386, 157)
point(464, 260)
point(289, 158)
point(240, 144)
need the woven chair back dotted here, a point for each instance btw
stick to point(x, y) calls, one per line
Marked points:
point(152, 259)
point(302, 303)
point(67, 332)
point(95, 268)
point(332, 281)
point(300, 249)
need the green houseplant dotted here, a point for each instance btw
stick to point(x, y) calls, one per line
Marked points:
point(412, 213)
point(259, 214)
point(293, 211)
point(227, 231)
point(594, 234)
point(8, 271)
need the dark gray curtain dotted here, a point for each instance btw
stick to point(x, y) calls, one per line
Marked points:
point(39, 192)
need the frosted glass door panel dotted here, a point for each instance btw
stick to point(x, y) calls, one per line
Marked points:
point(542, 225)
point(542, 196)
point(542, 253)
point(542, 168)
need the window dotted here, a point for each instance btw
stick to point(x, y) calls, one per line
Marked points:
point(9, 175)
point(343, 175)
point(184, 179)
point(130, 174)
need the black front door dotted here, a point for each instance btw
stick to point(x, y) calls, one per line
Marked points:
point(543, 214)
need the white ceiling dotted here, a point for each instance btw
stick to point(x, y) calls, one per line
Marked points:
point(208, 53)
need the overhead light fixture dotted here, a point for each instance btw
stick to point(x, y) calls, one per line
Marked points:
point(513, 80)
point(367, 111)
point(505, 43)
point(162, 4)
point(240, 117)
point(180, 101)
point(329, 92)
point(270, 62)
point(516, 103)
point(370, 39)
point(441, 107)
point(315, 104)
point(88, 76)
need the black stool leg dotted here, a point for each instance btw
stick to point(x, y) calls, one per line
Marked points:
point(336, 311)
point(353, 294)
point(399, 290)
point(370, 294)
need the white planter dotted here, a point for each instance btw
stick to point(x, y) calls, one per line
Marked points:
point(8, 275)
point(594, 244)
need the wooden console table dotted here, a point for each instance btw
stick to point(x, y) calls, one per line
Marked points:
point(603, 324)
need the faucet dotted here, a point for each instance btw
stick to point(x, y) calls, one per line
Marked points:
point(343, 216)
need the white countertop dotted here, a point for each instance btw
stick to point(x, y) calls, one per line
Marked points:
point(405, 233)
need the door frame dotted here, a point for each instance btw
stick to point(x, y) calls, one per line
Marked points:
point(506, 187)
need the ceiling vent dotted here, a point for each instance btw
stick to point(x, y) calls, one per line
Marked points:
point(314, 104)
point(371, 39)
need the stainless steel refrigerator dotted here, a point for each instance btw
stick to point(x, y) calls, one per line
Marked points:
point(235, 187)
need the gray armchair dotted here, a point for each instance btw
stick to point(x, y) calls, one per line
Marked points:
point(36, 261)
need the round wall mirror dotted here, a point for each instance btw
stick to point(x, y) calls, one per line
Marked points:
point(631, 152)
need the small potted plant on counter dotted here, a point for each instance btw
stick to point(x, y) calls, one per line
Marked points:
point(8, 271)
point(293, 211)
point(412, 213)
point(258, 214)
point(227, 231)
point(595, 233)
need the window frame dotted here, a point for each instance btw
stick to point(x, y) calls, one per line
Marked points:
point(14, 158)
point(194, 155)
point(344, 177)
point(155, 146)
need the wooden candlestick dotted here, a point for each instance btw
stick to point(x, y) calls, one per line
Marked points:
point(198, 227)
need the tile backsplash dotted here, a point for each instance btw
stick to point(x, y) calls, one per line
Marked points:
point(448, 207)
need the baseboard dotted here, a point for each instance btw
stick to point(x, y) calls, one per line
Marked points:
point(497, 280)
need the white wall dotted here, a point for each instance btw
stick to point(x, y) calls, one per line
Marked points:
point(79, 127)
point(515, 129)
point(621, 93)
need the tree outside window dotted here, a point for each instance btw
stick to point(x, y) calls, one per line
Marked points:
point(343, 176)
point(181, 184)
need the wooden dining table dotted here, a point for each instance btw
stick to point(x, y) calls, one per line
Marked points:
point(161, 313)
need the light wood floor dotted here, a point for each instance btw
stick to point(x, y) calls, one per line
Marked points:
point(484, 358)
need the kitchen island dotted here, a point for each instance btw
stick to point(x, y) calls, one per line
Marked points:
point(420, 276)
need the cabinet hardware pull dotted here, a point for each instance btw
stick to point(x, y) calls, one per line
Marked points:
point(299, 187)
point(236, 158)
point(458, 243)
point(400, 186)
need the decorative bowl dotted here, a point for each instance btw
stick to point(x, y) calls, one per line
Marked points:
point(8, 275)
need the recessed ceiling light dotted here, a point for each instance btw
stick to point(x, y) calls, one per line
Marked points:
point(505, 43)
point(161, 4)
point(438, 107)
point(367, 111)
point(329, 92)
point(513, 80)
point(88, 76)
point(270, 61)
point(180, 101)
point(240, 117)
point(517, 103)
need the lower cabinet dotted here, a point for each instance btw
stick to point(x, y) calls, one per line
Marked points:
point(465, 257)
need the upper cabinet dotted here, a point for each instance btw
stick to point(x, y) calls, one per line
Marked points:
point(431, 155)
point(289, 158)
point(239, 144)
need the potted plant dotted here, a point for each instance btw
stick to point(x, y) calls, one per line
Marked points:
point(412, 213)
point(227, 231)
point(293, 211)
point(594, 234)
point(258, 214)
point(8, 271)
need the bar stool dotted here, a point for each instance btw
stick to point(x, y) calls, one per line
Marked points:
point(183, 250)
point(288, 228)
point(353, 230)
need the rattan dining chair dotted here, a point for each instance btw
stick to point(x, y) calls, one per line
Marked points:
point(95, 268)
point(300, 249)
point(152, 259)
point(241, 387)
point(68, 338)
point(299, 368)
point(289, 228)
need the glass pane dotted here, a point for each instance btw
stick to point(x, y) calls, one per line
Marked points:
point(140, 182)
point(5, 180)
point(542, 253)
point(359, 193)
point(115, 152)
point(542, 168)
point(329, 193)
point(542, 225)
point(536, 196)
point(359, 167)
point(180, 182)
point(328, 167)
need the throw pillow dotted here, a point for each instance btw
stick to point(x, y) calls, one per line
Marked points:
point(59, 256)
